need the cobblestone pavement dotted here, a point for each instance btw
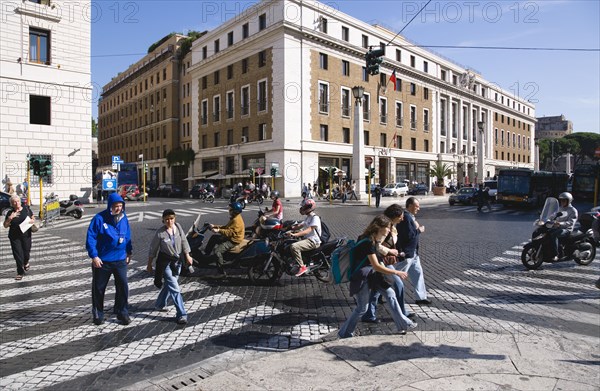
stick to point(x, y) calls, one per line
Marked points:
point(473, 274)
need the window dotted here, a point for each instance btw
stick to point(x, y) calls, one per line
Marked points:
point(262, 95)
point(39, 110)
point(323, 98)
point(443, 103)
point(383, 140)
point(425, 66)
point(204, 52)
point(216, 108)
point(412, 61)
point(229, 72)
point(345, 68)
point(230, 38)
point(323, 61)
point(443, 75)
point(245, 31)
point(413, 89)
point(324, 133)
point(39, 46)
point(366, 137)
point(496, 136)
point(217, 138)
point(216, 77)
point(398, 86)
point(413, 143)
point(366, 107)
point(398, 55)
point(399, 116)
point(346, 135)
point(413, 117)
point(262, 22)
point(365, 41)
point(365, 74)
point(245, 134)
point(204, 141)
point(345, 102)
point(229, 136)
point(426, 93)
point(204, 82)
point(426, 145)
point(345, 34)
point(426, 120)
point(230, 104)
point(262, 58)
point(323, 25)
point(204, 113)
point(245, 65)
point(262, 131)
point(245, 100)
point(382, 110)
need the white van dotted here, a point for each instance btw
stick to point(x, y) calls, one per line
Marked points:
point(493, 186)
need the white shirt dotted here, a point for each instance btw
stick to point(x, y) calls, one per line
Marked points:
point(312, 220)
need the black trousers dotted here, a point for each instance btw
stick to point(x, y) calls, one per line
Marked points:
point(21, 248)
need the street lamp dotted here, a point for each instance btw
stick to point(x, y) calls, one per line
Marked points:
point(358, 161)
point(141, 156)
point(480, 161)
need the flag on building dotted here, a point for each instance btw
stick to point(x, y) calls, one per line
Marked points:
point(393, 79)
point(394, 141)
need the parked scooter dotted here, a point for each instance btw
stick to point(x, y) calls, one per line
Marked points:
point(72, 207)
point(280, 260)
point(240, 257)
point(578, 246)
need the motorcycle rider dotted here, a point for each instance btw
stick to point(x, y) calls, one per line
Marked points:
point(564, 220)
point(230, 235)
point(276, 212)
point(310, 232)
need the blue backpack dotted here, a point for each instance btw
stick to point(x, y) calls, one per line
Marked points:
point(343, 264)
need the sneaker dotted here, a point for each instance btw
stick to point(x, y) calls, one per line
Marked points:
point(423, 302)
point(125, 319)
point(161, 309)
point(182, 320)
point(411, 315)
point(98, 321)
point(303, 269)
point(411, 326)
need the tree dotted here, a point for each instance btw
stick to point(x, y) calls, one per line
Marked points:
point(440, 170)
point(94, 128)
point(587, 142)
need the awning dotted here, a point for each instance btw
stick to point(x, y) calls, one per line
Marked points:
point(202, 175)
point(237, 175)
point(325, 168)
point(218, 177)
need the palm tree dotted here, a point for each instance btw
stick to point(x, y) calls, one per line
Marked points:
point(440, 170)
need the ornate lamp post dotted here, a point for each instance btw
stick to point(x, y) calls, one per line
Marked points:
point(480, 160)
point(358, 161)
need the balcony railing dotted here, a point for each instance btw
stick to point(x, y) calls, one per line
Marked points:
point(383, 118)
point(345, 111)
point(216, 116)
point(426, 126)
point(366, 115)
point(323, 107)
point(230, 114)
point(413, 124)
point(399, 121)
point(245, 110)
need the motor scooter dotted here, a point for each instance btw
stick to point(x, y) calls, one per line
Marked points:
point(237, 260)
point(71, 207)
point(578, 246)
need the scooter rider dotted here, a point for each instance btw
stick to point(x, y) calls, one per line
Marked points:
point(230, 235)
point(564, 220)
point(310, 231)
point(276, 211)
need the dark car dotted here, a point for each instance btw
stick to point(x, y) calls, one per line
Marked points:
point(4, 202)
point(464, 196)
point(196, 190)
point(419, 189)
point(169, 190)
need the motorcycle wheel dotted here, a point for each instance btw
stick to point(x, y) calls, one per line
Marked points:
point(77, 214)
point(586, 261)
point(210, 199)
point(529, 257)
point(257, 273)
point(322, 273)
point(260, 200)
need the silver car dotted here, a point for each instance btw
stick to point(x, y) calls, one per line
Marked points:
point(395, 189)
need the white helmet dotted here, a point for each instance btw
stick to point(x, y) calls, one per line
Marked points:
point(566, 196)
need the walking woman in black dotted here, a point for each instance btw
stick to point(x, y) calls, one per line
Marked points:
point(20, 242)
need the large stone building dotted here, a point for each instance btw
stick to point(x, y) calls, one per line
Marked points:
point(46, 89)
point(553, 127)
point(272, 87)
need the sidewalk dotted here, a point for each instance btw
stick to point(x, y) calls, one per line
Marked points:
point(385, 201)
point(427, 360)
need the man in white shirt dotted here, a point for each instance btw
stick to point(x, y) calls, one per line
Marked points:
point(310, 232)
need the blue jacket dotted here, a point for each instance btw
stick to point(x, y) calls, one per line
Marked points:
point(408, 236)
point(107, 239)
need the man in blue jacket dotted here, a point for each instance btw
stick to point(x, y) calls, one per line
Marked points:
point(108, 244)
point(408, 241)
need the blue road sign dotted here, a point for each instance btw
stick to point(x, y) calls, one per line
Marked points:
point(109, 184)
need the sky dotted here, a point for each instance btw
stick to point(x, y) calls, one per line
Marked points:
point(558, 82)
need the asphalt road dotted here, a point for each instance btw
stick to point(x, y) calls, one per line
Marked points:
point(472, 267)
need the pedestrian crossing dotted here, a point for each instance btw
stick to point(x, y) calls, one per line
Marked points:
point(139, 216)
point(47, 337)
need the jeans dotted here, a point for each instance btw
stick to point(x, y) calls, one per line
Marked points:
point(555, 234)
point(171, 288)
point(362, 303)
point(398, 287)
point(100, 277)
point(415, 273)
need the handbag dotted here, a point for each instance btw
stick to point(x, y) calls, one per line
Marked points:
point(35, 228)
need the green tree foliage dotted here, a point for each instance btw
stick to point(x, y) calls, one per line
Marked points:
point(94, 128)
point(581, 145)
point(440, 170)
point(186, 45)
point(587, 142)
point(181, 156)
point(159, 42)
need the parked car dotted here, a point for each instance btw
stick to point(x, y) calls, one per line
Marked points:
point(493, 186)
point(420, 189)
point(124, 189)
point(169, 190)
point(395, 190)
point(373, 186)
point(4, 202)
point(463, 196)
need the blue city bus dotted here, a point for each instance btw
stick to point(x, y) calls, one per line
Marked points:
point(584, 181)
point(529, 188)
point(128, 174)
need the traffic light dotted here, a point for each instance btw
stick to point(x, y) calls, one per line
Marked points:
point(374, 60)
point(45, 168)
point(332, 171)
point(372, 172)
point(34, 164)
point(251, 172)
point(273, 171)
point(145, 168)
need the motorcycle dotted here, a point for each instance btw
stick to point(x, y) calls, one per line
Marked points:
point(578, 246)
point(591, 220)
point(207, 196)
point(248, 197)
point(71, 207)
point(240, 257)
point(269, 226)
point(271, 267)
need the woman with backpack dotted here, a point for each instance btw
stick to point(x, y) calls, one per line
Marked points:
point(370, 274)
